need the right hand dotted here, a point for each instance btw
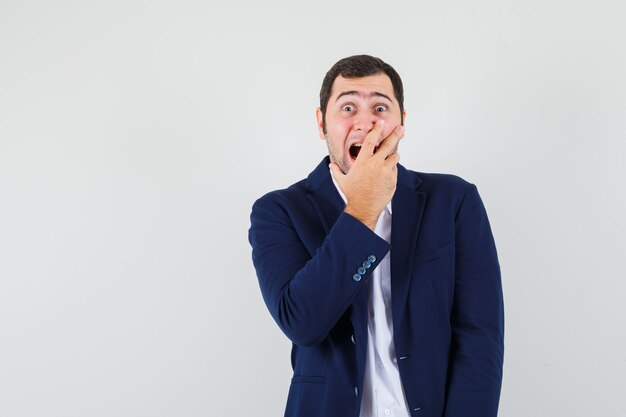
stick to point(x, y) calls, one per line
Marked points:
point(371, 181)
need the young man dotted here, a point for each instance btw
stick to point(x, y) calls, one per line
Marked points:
point(386, 280)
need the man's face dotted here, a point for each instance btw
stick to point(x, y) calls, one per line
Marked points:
point(354, 106)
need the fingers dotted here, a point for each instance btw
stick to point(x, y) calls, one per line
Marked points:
point(393, 159)
point(390, 144)
point(371, 140)
point(336, 172)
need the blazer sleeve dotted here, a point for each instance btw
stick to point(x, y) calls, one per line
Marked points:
point(307, 293)
point(476, 357)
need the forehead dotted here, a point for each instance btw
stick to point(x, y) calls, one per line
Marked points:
point(365, 85)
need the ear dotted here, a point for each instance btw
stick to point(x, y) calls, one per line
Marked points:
point(320, 123)
point(403, 117)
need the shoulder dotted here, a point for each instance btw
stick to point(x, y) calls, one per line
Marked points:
point(431, 182)
point(294, 192)
point(449, 181)
point(299, 190)
point(285, 200)
point(444, 192)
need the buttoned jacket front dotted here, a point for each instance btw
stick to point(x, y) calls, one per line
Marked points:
point(311, 260)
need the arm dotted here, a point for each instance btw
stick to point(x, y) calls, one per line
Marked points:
point(305, 294)
point(476, 357)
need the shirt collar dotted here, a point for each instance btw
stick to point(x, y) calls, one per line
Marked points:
point(345, 200)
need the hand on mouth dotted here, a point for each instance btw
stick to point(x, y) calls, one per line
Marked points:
point(355, 148)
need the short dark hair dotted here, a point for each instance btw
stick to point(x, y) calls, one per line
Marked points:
point(358, 66)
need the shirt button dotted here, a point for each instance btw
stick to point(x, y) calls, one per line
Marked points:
point(356, 277)
point(387, 412)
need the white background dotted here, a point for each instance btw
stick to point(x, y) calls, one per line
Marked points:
point(135, 136)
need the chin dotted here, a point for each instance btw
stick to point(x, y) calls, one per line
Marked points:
point(346, 165)
point(341, 162)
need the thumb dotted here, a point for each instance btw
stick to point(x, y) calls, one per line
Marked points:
point(336, 172)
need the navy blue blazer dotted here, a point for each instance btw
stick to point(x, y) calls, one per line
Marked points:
point(447, 302)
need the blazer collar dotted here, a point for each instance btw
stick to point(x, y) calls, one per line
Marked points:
point(324, 195)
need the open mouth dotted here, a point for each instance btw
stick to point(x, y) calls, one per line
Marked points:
point(354, 150)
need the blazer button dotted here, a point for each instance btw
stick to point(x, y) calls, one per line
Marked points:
point(367, 264)
point(356, 277)
point(371, 258)
point(361, 270)
point(356, 392)
point(352, 338)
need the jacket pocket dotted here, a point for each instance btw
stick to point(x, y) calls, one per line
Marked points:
point(430, 255)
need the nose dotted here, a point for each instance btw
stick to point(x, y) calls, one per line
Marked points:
point(364, 121)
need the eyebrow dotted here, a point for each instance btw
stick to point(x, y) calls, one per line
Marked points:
point(357, 93)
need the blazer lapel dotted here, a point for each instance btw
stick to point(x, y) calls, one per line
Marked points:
point(407, 210)
point(324, 196)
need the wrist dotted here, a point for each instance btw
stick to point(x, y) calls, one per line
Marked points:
point(368, 219)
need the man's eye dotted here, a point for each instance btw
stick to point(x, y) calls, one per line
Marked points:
point(380, 108)
point(347, 107)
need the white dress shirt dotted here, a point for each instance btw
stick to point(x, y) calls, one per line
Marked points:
point(383, 394)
